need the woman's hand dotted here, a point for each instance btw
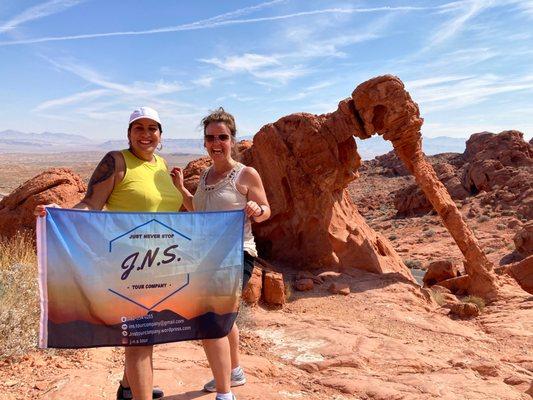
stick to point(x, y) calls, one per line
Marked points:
point(252, 209)
point(177, 177)
point(40, 210)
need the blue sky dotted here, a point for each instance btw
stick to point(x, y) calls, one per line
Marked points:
point(81, 66)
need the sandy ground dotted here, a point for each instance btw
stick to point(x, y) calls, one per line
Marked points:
point(383, 341)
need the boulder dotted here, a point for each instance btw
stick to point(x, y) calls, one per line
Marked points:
point(273, 288)
point(439, 271)
point(458, 285)
point(252, 291)
point(523, 240)
point(57, 185)
point(522, 272)
point(304, 284)
point(309, 275)
point(339, 288)
point(501, 165)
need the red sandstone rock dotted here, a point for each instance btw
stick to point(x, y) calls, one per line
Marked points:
point(458, 285)
point(309, 275)
point(306, 162)
point(522, 272)
point(385, 107)
point(412, 201)
point(523, 240)
point(252, 291)
point(339, 288)
point(57, 185)
point(304, 284)
point(514, 223)
point(502, 166)
point(193, 171)
point(438, 271)
point(329, 275)
point(273, 288)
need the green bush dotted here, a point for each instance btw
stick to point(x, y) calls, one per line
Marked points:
point(483, 218)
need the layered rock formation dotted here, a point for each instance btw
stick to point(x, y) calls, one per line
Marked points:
point(522, 272)
point(57, 185)
point(498, 167)
point(306, 162)
point(387, 108)
point(523, 240)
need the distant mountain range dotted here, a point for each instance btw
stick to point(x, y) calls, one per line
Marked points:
point(47, 142)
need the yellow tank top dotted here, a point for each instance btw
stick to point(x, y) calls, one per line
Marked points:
point(145, 187)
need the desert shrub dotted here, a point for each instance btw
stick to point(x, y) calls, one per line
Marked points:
point(19, 296)
point(507, 213)
point(438, 297)
point(245, 318)
point(410, 263)
point(429, 233)
point(393, 237)
point(288, 289)
point(478, 301)
point(483, 218)
point(500, 227)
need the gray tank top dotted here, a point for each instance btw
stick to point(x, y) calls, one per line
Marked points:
point(223, 196)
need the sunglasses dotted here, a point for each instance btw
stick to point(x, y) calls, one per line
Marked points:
point(211, 138)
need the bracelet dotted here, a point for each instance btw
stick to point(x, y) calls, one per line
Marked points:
point(261, 213)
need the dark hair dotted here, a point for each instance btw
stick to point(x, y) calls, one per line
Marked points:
point(220, 115)
point(158, 125)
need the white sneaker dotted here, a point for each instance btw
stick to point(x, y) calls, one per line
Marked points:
point(237, 379)
point(218, 398)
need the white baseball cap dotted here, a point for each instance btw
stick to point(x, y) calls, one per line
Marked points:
point(144, 112)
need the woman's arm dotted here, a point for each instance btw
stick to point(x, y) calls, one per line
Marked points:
point(257, 206)
point(177, 179)
point(101, 184)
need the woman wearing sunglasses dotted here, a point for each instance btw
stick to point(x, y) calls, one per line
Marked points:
point(226, 185)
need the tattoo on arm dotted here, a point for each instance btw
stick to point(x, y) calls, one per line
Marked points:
point(103, 171)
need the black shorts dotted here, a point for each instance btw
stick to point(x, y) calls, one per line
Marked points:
point(248, 268)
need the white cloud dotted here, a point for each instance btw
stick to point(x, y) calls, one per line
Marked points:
point(72, 99)
point(205, 81)
point(247, 62)
point(39, 11)
point(267, 68)
point(445, 94)
point(114, 101)
point(421, 83)
point(215, 22)
point(136, 88)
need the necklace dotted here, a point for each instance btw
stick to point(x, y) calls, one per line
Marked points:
point(217, 176)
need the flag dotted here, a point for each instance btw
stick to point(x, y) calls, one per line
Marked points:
point(131, 279)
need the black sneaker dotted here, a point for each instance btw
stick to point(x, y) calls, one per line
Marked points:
point(124, 393)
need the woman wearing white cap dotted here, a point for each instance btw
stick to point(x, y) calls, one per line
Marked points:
point(132, 180)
